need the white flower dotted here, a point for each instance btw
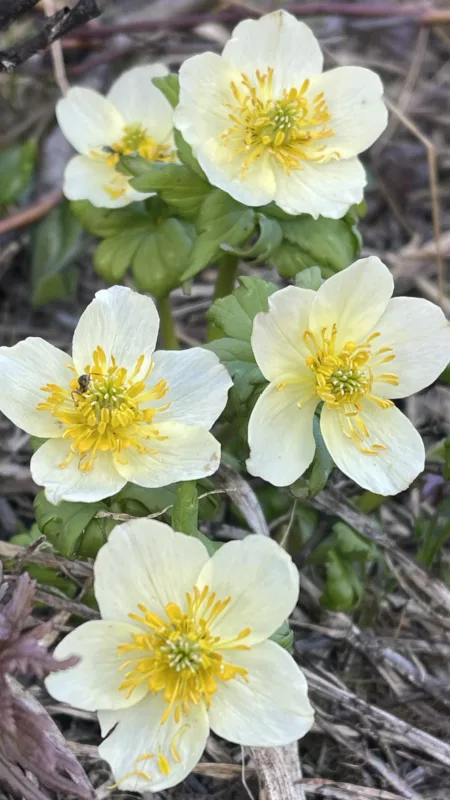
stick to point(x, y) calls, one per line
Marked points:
point(183, 647)
point(265, 124)
point(133, 117)
point(355, 349)
point(116, 411)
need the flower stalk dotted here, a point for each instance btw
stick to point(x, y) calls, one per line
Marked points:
point(225, 281)
point(167, 323)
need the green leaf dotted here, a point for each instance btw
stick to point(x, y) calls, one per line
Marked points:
point(181, 188)
point(16, 168)
point(186, 155)
point(316, 476)
point(221, 221)
point(344, 589)
point(234, 314)
point(330, 243)
point(169, 85)
point(146, 239)
point(269, 239)
point(237, 356)
point(310, 278)
point(105, 222)
point(56, 243)
point(64, 525)
point(284, 637)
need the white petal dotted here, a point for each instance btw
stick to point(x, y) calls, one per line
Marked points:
point(280, 435)
point(271, 708)
point(25, 368)
point(138, 734)
point(88, 120)
point(203, 116)
point(261, 580)
point(198, 386)
point(144, 561)
point(70, 482)
point(140, 102)
point(275, 40)
point(358, 114)
point(326, 190)
point(419, 334)
point(277, 340)
point(94, 682)
point(393, 469)
point(185, 453)
point(124, 323)
point(353, 299)
point(89, 179)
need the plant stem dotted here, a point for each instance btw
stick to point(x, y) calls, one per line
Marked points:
point(226, 278)
point(169, 336)
point(185, 509)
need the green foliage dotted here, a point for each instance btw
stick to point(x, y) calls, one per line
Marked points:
point(178, 186)
point(310, 278)
point(234, 316)
point(268, 240)
point(346, 555)
point(56, 243)
point(16, 168)
point(316, 476)
point(169, 85)
point(284, 637)
point(144, 237)
point(221, 223)
point(331, 243)
point(432, 534)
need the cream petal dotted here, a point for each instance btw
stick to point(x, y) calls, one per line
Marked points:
point(390, 471)
point(70, 482)
point(88, 120)
point(275, 40)
point(124, 323)
point(269, 709)
point(94, 682)
point(144, 561)
point(89, 179)
point(25, 368)
point(198, 386)
point(277, 341)
point(138, 734)
point(185, 452)
point(262, 582)
point(140, 102)
point(280, 435)
point(358, 114)
point(203, 116)
point(419, 335)
point(320, 189)
point(353, 300)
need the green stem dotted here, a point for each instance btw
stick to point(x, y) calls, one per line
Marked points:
point(168, 334)
point(185, 509)
point(226, 278)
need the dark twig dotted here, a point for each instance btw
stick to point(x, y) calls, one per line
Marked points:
point(10, 10)
point(55, 26)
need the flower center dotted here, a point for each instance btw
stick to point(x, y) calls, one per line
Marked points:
point(289, 127)
point(179, 655)
point(105, 409)
point(135, 139)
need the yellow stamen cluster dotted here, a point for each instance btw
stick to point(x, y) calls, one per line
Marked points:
point(179, 655)
point(289, 127)
point(345, 376)
point(102, 410)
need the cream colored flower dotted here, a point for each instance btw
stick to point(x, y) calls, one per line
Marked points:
point(116, 411)
point(265, 124)
point(133, 117)
point(352, 347)
point(183, 647)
